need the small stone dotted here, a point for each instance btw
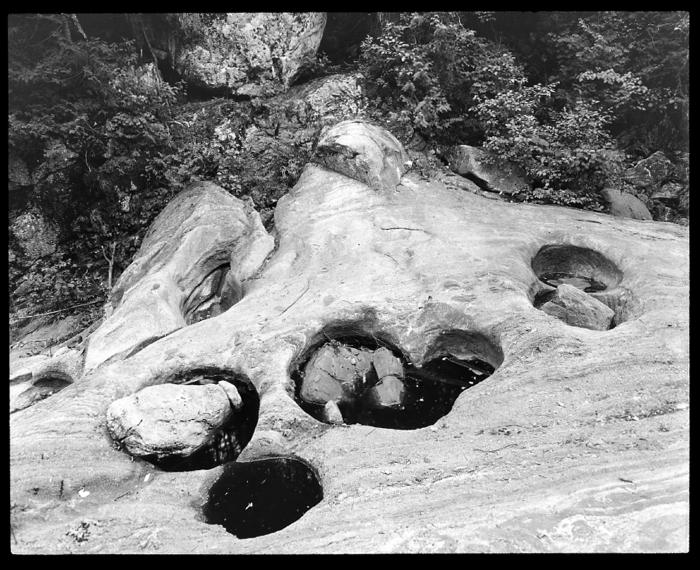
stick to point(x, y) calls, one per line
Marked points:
point(682, 406)
point(331, 375)
point(331, 413)
point(504, 178)
point(625, 205)
point(232, 394)
point(61, 351)
point(83, 493)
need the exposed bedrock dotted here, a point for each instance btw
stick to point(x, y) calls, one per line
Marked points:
point(191, 265)
point(534, 457)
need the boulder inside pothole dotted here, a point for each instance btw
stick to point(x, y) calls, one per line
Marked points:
point(579, 286)
point(365, 380)
point(260, 497)
point(576, 308)
point(201, 419)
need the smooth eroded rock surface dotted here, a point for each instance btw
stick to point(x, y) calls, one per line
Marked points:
point(578, 442)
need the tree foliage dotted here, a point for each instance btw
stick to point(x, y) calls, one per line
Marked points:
point(91, 125)
point(571, 98)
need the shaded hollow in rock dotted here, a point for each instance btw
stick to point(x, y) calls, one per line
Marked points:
point(590, 272)
point(456, 361)
point(216, 293)
point(39, 390)
point(581, 267)
point(368, 380)
point(261, 497)
point(226, 442)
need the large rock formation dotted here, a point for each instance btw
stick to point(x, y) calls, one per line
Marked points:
point(662, 184)
point(245, 52)
point(204, 235)
point(578, 441)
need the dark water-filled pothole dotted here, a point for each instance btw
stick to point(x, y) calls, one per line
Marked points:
point(227, 442)
point(261, 497)
point(355, 377)
point(562, 270)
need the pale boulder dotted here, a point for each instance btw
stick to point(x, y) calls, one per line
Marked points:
point(168, 420)
point(202, 235)
point(364, 152)
point(624, 205)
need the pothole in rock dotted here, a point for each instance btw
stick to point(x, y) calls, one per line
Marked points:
point(216, 293)
point(581, 267)
point(40, 390)
point(363, 378)
point(579, 286)
point(203, 418)
point(263, 496)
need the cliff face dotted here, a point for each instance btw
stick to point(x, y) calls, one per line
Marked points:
point(572, 439)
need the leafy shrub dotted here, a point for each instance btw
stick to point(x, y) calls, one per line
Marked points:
point(424, 72)
point(636, 64)
point(90, 121)
point(566, 153)
point(431, 75)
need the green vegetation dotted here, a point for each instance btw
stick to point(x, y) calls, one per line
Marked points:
point(102, 142)
point(613, 88)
